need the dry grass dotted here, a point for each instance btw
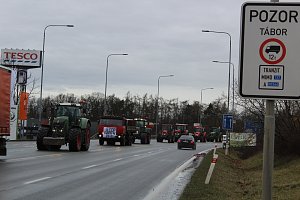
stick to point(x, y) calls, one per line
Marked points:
point(234, 178)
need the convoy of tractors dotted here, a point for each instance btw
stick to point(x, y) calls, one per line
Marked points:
point(67, 124)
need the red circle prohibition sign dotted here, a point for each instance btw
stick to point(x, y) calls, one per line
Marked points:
point(262, 48)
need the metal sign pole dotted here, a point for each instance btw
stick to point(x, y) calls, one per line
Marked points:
point(268, 154)
point(268, 151)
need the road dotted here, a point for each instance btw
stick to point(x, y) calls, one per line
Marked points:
point(103, 172)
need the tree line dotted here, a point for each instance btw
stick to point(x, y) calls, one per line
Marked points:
point(171, 111)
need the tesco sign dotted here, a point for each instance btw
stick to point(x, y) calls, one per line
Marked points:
point(21, 58)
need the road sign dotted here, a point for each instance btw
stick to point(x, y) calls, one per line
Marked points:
point(228, 121)
point(269, 63)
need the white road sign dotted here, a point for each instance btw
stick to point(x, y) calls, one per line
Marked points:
point(21, 58)
point(269, 51)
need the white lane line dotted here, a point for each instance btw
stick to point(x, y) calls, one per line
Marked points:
point(136, 155)
point(88, 167)
point(117, 159)
point(36, 180)
point(33, 157)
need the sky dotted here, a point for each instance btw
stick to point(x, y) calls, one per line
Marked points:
point(161, 37)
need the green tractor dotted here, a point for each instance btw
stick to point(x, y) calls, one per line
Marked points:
point(66, 126)
point(142, 131)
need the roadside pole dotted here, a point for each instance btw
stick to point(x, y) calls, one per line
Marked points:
point(268, 154)
point(268, 149)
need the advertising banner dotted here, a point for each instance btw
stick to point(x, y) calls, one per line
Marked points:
point(23, 105)
point(242, 139)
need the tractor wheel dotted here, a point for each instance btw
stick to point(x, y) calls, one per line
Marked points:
point(143, 138)
point(39, 139)
point(75, 139)
point(122, 141)
point(101, 142)
point(87, 138)
point(148, 138)
point(55, 147)
point(128, 140)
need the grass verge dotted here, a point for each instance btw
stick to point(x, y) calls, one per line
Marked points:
point(234, 178)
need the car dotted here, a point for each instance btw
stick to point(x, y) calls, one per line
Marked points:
point(186, 141)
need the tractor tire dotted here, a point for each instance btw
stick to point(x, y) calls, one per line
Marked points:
point(75, 139)
point(143, 138)
point(123, 141)
point(87, 138)
point(128, 141)
point(101, 142)
point(111, 142)
point(148, 139)
point(39, 139)
point(54, 147)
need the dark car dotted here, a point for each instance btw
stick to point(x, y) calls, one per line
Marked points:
point(186, 141)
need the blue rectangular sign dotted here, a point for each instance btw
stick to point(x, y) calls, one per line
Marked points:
point(228, 121)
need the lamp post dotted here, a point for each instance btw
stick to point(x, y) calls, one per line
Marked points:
point(165, 76)
point(216, 61)
point(222, 32)
point(42, 65)
point(113, 54)
point(201, 103)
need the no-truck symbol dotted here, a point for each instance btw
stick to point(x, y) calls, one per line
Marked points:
point(272, 51)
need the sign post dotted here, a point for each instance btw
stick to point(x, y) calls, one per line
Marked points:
point(268, 65)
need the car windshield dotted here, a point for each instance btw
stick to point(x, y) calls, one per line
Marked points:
point(111, 122)
point(140, 123)
point(166, 127)
point(186, 137)
point(70, 111)
point(182, 128)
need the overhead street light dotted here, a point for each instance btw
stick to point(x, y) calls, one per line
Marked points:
point(223, 32)
point(216, 61)
point(113, 54)
point(201, 103)
point(157, 106)
point(42, 65)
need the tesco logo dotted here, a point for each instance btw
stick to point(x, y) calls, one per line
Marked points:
point(20, 55)
point(21, 58)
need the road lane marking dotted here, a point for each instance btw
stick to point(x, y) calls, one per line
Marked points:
point(33, 157)
point(117, 159)
point(88, 167)
point(37, 180)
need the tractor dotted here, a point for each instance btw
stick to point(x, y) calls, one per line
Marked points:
point(67, 125)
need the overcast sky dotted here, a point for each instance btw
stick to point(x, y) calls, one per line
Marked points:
point(161, 37)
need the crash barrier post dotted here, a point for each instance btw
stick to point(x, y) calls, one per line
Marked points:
point(215, 149)
point(211, 168)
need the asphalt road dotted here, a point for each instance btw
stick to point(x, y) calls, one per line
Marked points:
point(103, 172)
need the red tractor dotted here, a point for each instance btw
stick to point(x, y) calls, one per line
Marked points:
point(166, 133)
point(199, 133)
point(180, 129)
point(114, 129)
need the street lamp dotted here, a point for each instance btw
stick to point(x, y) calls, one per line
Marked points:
point(222, 32)
point(42, 65)
point(216, 61)
point(158, 98)
point(201, 103)
point(113, 54)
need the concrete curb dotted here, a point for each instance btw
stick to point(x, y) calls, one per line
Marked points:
point(159, 190)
